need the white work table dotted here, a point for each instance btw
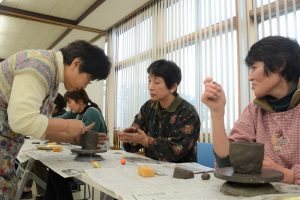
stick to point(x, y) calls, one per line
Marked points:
point(123, 181)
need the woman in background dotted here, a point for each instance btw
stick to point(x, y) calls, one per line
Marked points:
point(60, 105)
point(82, 108)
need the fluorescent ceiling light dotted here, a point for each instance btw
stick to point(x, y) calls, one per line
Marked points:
point(1, 1)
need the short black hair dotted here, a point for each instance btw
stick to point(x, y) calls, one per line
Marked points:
point(92, 58)
point(60, 102)
point(279, 54)
point(166, 69)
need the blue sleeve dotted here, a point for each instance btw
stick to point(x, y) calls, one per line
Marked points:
point(93, 115)
point(222, 162)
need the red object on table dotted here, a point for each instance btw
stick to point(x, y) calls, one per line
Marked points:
point(123, 161)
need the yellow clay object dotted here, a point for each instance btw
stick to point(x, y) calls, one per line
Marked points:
point(146, 171)
point(51, 143)
point(95, 164)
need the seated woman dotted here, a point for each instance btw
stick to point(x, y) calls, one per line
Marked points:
point(60, 105)
point(82, 108)
point(273, 117)
point(167, 126)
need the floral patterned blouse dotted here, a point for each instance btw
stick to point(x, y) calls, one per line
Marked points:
point(173, 131)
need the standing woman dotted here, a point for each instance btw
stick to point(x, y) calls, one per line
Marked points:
point(29, 84)
point(39, 168)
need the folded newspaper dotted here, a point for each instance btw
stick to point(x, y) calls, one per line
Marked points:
point(168, 168)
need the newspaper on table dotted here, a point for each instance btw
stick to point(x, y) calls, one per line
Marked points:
point(28, 147)
point(168, 168)
point(123, 182)
point(195, 167)
point(63, 163)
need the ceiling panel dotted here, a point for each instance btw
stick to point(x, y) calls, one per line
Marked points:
point(10, 3)
point(75, 35)
point(110, 12)
point(19, 34)
point(69, 9)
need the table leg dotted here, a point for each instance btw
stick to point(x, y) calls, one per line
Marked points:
point(24, 179)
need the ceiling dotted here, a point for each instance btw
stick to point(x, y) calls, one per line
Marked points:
point(51, 24)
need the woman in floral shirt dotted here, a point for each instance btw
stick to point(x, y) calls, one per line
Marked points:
point(167, 126)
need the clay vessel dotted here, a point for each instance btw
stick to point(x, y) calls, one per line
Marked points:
point(246, 157)
point(89, 140)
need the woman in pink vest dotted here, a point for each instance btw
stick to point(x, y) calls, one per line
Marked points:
point(273, 117)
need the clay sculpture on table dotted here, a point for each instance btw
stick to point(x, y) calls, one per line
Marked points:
point(182, 173)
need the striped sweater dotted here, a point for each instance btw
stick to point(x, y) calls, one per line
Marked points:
point(28, 86)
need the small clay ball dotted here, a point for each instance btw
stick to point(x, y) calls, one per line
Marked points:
point(205, 176)
point(123, 161)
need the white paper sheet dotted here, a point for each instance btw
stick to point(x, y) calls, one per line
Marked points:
point(168, 168)
point(125, 183)
point(28, 147)
point(195, 167)
point(64, 162)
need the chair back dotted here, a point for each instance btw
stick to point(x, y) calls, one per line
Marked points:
point(205, 154)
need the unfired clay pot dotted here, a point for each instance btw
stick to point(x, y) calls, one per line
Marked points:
point(246, 157)
point(89, 140)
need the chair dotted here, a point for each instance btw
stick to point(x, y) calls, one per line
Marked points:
point(205, 154)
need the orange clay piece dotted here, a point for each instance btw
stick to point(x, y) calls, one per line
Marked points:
point(146, 171)
point(123, 161)
point(57, 149)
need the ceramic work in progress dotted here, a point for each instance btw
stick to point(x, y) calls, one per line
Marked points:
point(246, 157)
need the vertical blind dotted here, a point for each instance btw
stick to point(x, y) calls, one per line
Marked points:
point(200, 36)
point(277, 17)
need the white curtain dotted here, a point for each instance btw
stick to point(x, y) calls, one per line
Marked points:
point(200, 36)
point(277, 17)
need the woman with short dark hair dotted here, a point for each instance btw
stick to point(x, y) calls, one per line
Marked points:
point(273, 117)
point(167, 126)
point(29, 84)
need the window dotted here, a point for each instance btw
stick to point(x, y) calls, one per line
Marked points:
point(277, 17)
point(200, 36)
point(132, 92)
